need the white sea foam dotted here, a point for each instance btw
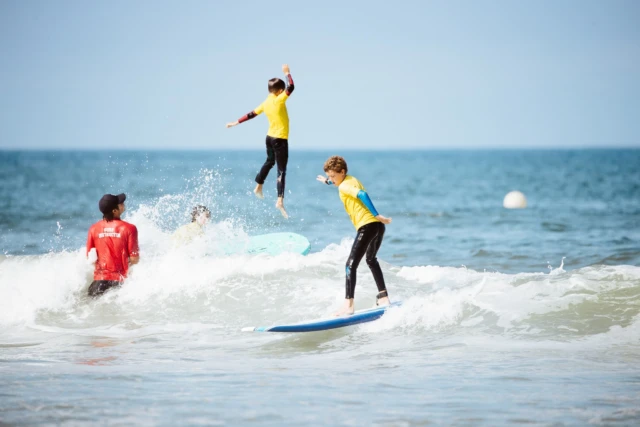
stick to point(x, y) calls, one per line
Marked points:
point(195, 284)
point(188, 285)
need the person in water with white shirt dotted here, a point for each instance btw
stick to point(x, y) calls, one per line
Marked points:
point(200, 216)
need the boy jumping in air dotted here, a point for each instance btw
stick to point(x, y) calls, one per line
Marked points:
point(367, 221)
point(275, 109)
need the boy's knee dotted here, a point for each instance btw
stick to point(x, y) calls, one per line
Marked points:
point(351, 266)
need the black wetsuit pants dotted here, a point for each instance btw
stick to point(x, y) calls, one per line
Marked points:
point(99, 287)
point(277, 152)
point(367, 241)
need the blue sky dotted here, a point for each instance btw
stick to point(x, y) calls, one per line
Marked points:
point(369, 74)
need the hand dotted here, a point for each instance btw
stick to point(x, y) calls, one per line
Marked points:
point(383, 219)
point(92, 256)
point(285, 69)
point(232, 124)
point(322, 179)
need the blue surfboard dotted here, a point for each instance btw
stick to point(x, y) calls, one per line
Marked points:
point(270, 244)
point(359, 316)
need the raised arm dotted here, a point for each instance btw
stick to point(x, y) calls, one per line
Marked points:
point(290, 86)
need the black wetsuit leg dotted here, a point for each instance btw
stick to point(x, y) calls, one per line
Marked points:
point(268, 164)
point(372, 258)
point(281, 148)
point(99, 287)
point(367, 241)
point(277, 152)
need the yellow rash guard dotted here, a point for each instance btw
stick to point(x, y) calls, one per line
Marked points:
point(275, 108)
point(358, 212)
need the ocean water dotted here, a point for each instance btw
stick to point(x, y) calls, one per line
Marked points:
point(509, 317)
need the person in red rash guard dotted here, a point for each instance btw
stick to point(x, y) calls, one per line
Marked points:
point(116, 244)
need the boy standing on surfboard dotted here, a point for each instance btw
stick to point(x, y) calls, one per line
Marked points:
point(275, 109)
point(368, 222)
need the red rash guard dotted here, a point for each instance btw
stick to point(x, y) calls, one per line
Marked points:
point(115, 241)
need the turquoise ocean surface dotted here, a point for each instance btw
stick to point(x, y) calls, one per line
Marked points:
point(527, 316)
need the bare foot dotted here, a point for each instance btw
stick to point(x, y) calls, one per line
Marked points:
point(258, 191)
point(280, 207)
point(383, 301)
point(346, 309)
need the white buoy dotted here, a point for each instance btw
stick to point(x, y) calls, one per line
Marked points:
point(515, 200)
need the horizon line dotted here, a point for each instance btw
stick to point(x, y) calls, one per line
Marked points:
point(323, 149)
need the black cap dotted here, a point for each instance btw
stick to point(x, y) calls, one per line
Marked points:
point(110, 202)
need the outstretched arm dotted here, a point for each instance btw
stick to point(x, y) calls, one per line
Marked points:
point(244, 118)
point(290, 86)
point(324, 180)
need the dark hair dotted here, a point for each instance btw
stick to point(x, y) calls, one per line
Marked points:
point(336, 164)
point(197, 211)
point(108, 216)
point(276, 84)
